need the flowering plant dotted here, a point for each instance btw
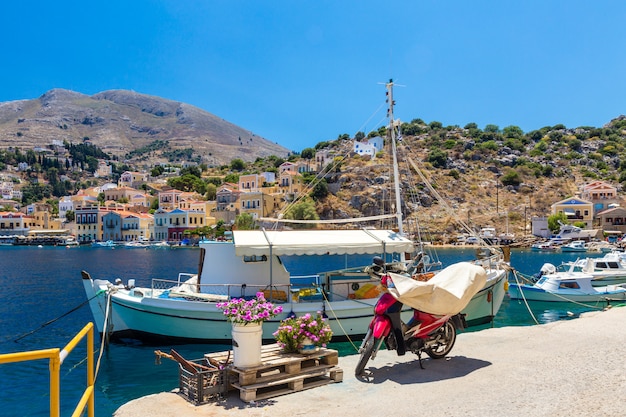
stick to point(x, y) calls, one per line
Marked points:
point(256, 310)
point(292, 332)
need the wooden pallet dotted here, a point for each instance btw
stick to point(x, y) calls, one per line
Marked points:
point(282, 373)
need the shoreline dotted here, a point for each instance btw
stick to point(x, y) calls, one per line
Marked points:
point(563, 368)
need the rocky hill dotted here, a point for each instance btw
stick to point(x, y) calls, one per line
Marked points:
point(130, 126)
point(492, 177)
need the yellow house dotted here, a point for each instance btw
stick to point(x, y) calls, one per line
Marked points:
point(576, 210)
point(290, 184)
point(43, 220)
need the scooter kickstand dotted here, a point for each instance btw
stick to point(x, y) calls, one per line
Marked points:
point(419, 357)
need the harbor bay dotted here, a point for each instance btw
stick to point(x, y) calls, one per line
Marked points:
point(40, 285)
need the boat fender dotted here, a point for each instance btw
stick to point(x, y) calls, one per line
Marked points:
point(506, 285)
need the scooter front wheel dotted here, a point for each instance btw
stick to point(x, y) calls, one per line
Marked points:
point(366, 353)
point(442, 341)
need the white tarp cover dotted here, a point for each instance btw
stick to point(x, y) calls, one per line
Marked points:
point(319, 242)
point(448, 292)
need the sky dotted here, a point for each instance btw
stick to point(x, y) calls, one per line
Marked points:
point(302, 72)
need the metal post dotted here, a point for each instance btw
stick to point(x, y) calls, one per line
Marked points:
point(497, 207)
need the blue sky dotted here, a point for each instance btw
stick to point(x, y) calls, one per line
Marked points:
point(298, 73)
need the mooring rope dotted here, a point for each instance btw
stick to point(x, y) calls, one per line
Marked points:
point(339, 322)
point(523, 297)
point(104, 340)
point(46, 324)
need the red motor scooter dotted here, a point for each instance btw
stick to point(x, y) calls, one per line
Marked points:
point(425, 332)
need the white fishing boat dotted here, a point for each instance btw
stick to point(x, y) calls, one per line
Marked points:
point(607, 269)
point(184, 308)
point(103, 244)
point(160, 245)
point(575, 246)
point(137, 244)
point(573, 287)
point(544, 247)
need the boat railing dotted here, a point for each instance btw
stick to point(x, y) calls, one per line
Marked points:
point(489, 263)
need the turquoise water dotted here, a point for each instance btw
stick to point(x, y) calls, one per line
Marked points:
point(40, 284)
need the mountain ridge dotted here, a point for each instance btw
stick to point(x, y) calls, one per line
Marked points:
point(122, 121)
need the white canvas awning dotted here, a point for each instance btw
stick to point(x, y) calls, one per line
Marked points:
point(319, 242)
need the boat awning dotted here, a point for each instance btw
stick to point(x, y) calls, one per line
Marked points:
point(319, 242)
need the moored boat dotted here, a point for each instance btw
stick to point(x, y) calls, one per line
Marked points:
point(185, 309)
point(575, 246)
point(607, 269)
point(544, 247)
point(573, 287)
point(105, 244)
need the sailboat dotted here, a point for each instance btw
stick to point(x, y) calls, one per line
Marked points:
point(185, 310)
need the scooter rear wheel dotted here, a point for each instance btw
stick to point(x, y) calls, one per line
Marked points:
point(443, 343)
point(366, 354)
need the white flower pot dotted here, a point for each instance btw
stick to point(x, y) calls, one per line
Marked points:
point(247, 341)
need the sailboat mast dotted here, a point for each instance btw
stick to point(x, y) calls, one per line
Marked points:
point(396, 175)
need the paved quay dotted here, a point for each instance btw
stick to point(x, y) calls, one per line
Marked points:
point(567, 368)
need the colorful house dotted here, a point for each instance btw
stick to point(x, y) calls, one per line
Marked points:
point(576, 210)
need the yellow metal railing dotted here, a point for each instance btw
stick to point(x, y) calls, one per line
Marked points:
point(56, 357)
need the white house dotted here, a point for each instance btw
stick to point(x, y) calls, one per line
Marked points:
point(371, 147)
point(65, 204)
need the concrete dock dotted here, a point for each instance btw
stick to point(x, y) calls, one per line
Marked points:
point(566, 368)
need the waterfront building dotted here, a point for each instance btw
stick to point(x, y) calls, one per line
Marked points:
point(87, 223)
point(576, 210)
point(160, 225)
point(13, 223)
point(612, 220)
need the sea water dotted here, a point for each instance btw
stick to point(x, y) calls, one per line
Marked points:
point(40, 285)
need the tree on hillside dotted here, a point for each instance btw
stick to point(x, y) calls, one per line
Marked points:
point(308, 153)
point(438, 158)
point(188, 182)
point(237, 164)
point(553, 221)
point(211, 192)
point(511, 178)
point(304, 210)
point(320, 191)
point(245, 221)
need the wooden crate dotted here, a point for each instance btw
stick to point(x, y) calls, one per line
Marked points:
point(282, 373)
point(202, 386)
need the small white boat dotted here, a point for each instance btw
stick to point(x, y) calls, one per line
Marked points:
point(136, 245)
point(160, 245)
point(573, 287)
point(105, 244)
point(608, 269)
point(544, 247)
point(575, 246)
